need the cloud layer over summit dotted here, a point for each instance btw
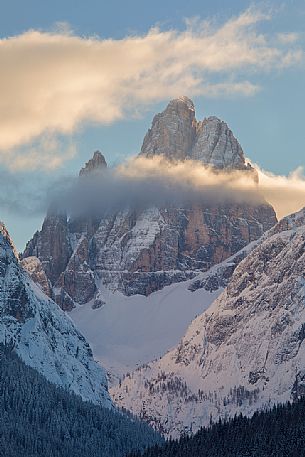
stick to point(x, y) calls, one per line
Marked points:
point(146, 182)
point(52, 82)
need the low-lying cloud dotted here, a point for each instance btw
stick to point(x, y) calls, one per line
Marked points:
point(145, 182)
point(52, 82)
point(285, 193)
point(141, 183)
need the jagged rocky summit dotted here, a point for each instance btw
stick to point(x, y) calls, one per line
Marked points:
point(177, 135)
point(41, 333)
point(246, 352)
point(94, 165)
point(141, 251)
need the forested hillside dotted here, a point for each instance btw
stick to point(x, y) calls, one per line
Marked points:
point(276, 433)
point(39, 419)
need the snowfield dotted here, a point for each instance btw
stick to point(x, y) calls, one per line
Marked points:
point(129, 331)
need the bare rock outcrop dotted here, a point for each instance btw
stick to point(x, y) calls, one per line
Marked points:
point(34, 268)
point(96, 164)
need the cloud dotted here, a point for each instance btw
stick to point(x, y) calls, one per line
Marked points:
point(285, 193)
point(23, 195)
point(189, 173)
point(52, 82)
point(288, 38)
point(141, 183)
point(48, 152)
point(145, 182)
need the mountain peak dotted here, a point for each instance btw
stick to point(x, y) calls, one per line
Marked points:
point(177, 135)
point(182, 100)
point(172, 132)
point(95, 164)
point(6, 236)
point(217, 146)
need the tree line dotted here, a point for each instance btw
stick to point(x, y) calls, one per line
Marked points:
point(279, 432)
point(39, 419)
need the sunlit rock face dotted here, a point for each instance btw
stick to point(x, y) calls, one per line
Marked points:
point(173, 131)
point(34, 267)
point(161, 246)
point(141, 251)
point(216, 145)
point(176, 134)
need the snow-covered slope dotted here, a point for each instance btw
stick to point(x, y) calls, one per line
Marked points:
point(42, 334)
point(245, 352)
point(127, 331)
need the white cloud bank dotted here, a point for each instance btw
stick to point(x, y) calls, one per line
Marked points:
point(50, 83)
point(285, 193)
point(145, 182)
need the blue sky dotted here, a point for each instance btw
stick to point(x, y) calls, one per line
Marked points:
point(268, 123)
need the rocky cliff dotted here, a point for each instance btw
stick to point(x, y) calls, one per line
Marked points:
point(140, 251)
point(244, 353)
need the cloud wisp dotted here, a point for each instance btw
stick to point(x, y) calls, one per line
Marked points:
point(47, 152)
point(285, 193)
point(53, 82)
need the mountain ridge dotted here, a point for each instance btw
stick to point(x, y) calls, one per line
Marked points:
point(141, 251)
point(42, 335)
point(244, 353)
